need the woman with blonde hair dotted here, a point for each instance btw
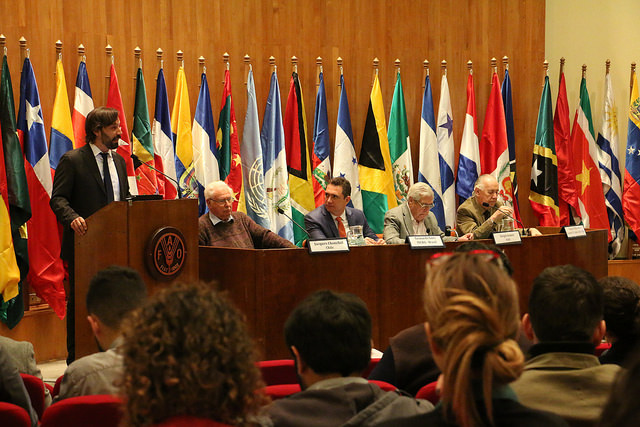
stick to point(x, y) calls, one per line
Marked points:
point(472, 318)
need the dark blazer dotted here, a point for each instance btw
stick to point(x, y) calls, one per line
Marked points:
point(320, 224)
point(78, 190)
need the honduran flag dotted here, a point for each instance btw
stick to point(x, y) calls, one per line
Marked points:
point(429, 163)
point(46, 271)
point(82, 105)
point(631, 194)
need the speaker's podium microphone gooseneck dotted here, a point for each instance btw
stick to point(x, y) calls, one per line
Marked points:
point(137, 163)
point(281, 211)
point(495, 208)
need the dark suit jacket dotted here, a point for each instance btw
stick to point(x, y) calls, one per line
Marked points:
point(320, 224)
point(78, 190)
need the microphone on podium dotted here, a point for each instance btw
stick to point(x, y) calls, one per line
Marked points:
point(281, 211)
point(137, 163)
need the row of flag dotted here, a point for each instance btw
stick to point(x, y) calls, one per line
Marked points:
point(277, 168)
point(575, 174)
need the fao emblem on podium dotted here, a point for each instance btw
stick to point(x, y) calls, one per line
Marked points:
point(166, 253)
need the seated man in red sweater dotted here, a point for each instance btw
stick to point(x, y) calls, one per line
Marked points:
point(222, 227)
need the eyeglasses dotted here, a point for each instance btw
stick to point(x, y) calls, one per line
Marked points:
point(224, 201)
point(485, 254)
point(424, 205)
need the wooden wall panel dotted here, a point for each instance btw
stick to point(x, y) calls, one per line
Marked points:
point(356, 30)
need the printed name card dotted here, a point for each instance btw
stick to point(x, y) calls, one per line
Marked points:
point(425, 242)
point(507, 238)
point(574, 231)
point(325, 246)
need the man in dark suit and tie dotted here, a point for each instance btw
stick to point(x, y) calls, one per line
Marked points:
point(334, 217)
point(87, 179)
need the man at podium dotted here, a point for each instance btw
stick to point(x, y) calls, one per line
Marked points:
point(223, 227)
point(87, 179)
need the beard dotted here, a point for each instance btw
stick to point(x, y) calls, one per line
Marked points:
point(112, 144)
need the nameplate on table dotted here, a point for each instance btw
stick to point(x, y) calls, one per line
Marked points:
point(507, 237)
point(425, 242)
point(574, 231)
point(325, 246)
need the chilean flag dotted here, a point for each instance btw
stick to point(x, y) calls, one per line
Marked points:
point(46, 271)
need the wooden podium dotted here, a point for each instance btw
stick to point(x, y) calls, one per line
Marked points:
point(267, 284)
point(119, 234)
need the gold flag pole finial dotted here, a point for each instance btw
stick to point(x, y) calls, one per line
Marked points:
point(376, 65)
point(59, 50)
point(505, 62)
point(272, 64)
point(584, 71)
point(137, 53)
point(201, 65)
point(247, 67)
point(443, 65)
point(545, 65)
point(339, 62)
point(633, 72)
point(81, 53)
point(425, 72)
point(494, 65)
point(3, 42)
point(470, 67)
point(396, 63)
point(109, 50)
point(225, 59)
point(24, 52)
point(318, 69)
point(294, 64)
point(607, 66)
point(159, 55)
point(180, 58)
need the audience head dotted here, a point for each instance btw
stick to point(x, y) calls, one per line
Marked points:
point(565, 304)
point(472, 317)
point(330, 333)
point(188, 352)
point(337, 195)
point(486, 190)
point(622, 409)
point(219, 197)
point(502, 262)
point(103, 125)
point(621, 307)
point(113, 293)
point(420, 200)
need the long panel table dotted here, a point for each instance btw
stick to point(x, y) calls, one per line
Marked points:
point(267, 284)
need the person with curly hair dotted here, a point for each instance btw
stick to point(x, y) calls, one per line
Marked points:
point(188, 354)
point(472, 315)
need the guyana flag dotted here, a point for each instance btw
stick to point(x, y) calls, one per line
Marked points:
point(142, 141)
point(544, 166)
point(12, 310)
point(376, 175)
point(230, 162)
point(298, 164)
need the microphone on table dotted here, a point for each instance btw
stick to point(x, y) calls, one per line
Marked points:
point(495, 208)
point(281, 211)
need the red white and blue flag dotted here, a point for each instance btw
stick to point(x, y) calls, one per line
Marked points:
point(82, 105)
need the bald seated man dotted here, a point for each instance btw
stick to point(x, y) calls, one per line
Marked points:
point(222, 227)
point(414, 217)
point(482, 213)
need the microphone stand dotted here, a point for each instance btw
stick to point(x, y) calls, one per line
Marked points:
point(137, 163)
point(281, 211)
point(495, 208)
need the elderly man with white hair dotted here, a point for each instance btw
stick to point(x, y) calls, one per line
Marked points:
point(222, 227)
point(414, 217)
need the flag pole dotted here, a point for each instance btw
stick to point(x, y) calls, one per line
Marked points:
point(137, 54)
point(396, 63)
point(225, 60)
point(339, 62)
point(318, 70)
point(545, 66)
point(561, 69)
point(470, 67)
point(494, 68)
point(607, 65)
point(81, 54)
point(180, 58)
point(376, 64)
point(294, 64)
point(443, 65)
point(584, 71)
point(24, 52)
point(272, 64)
point(3, 41)
point(505, 62)
point(109, 51)
point(247, 67)
point(633, 71)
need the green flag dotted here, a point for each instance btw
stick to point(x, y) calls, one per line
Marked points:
point(399, 146)
point(142, 140)
point(19, 206)
point(544, 166)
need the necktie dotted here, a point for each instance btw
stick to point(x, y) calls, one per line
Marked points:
point(341, 230)
point(108, 186)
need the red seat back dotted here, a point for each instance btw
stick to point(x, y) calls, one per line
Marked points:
point(35, 388)
point(279, 391)
point(429, 393)
point(282, 371)
point(384, 385)
point(189, 421)
point(14, 415)
point(99, 410)
point(56, 387)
